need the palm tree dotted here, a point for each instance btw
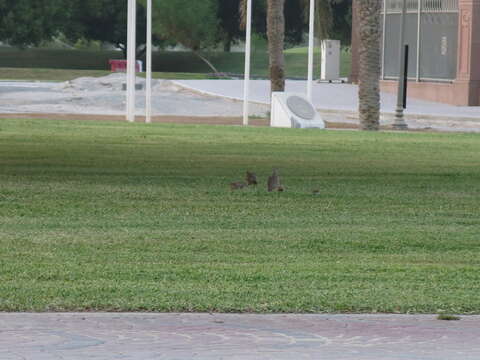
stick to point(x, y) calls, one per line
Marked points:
point(276, 42)
point(369, 15)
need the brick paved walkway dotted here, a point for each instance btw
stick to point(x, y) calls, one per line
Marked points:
point(203, 336)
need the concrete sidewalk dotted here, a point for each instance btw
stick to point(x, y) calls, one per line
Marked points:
point(339, 103)
point(230, 336)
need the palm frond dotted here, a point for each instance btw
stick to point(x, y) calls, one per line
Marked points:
point(243, 14)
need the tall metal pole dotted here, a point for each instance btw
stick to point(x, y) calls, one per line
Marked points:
point(399, 123)
point(311, 47)
point(148, 91)
point(384, 44)
point(131, 59)
point(127, 74)
point(419, 37)
point(248, 45)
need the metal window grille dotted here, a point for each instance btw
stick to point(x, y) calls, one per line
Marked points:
point(395, 6)
point(439, 5)
point(431, 33)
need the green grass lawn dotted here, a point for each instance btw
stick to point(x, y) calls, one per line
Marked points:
point(88, 62)
point(117, 216)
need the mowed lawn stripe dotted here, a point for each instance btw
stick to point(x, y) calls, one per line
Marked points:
point(130, 217)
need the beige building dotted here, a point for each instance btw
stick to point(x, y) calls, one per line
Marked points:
point(444, 41)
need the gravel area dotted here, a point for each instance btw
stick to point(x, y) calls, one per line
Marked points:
point(105, 96)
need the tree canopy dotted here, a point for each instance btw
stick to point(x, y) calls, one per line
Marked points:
point(103, 20)
point(27, 22)
point(195, 24)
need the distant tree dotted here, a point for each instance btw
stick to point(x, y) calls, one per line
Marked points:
point(293, 13)
point(26, 22)
point(294, 22)
point(259, 16)
point(342, 21)
point(332, 18)
point(229, 20)
point(324, 18)
point(104, 20)
point(193, 24)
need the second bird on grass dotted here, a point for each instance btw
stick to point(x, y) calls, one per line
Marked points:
point(274, 182)
point(251, 178)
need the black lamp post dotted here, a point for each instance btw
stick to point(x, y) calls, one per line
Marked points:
point(399, 123)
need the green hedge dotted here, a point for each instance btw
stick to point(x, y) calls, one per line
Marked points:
point(162, 62)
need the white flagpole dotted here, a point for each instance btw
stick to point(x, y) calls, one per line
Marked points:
point(311, 46)
point(148, 100)
point(131, 61)
point(129, 40)
point(248, 44)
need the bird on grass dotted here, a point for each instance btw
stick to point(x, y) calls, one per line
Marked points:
point(237, 185)
point(251, 178)
point(274, 182)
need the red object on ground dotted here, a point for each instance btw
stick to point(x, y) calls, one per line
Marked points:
point(121, 66)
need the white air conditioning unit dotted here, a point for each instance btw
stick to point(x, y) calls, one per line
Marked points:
point(330, 60)
point(294, 111)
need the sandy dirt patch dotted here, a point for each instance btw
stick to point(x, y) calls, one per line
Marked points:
point(105, 96)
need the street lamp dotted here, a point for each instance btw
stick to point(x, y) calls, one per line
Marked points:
point(399, 123)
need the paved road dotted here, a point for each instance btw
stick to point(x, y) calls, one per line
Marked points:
point(326, 96)
point(339, 103)
point(102, 336)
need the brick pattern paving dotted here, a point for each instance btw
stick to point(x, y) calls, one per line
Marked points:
point(230, 336)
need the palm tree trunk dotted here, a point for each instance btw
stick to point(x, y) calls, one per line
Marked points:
point(276, 40)
point(369, 12)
